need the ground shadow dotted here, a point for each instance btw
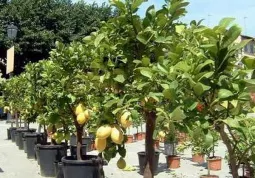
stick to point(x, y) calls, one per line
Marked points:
point(200, 165)
point(162, 167)
point(1, 170)
point(186, 158)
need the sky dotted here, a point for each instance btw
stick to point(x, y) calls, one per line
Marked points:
point(212, 11)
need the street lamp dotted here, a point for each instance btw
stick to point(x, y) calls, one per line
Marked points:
point(12, 31)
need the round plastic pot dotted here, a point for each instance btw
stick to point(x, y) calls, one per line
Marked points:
point(85, 141)
point(24, 144)
point(16, 138)
point(20, 133)
point(170, 148)
point(156, 144)
point(47, 155)
point(141, 158)
point(214, 164)
point(58, 169)
point(31, 141)
point(12, 132)
point(9, 134)
point(73, 150)
point(138, 136)
point(173, 162)
point(89, 167)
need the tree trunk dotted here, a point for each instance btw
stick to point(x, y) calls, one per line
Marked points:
point(150, 117)
point(227, 142)
point(79, 142)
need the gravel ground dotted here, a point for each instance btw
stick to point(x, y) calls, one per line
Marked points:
point(14, 164)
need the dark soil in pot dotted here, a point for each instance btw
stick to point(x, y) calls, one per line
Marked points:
point(141, 158)
point(47, 155)
point(12, 132)
point(90, 167)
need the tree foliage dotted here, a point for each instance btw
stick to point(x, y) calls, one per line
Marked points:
point(41, 23)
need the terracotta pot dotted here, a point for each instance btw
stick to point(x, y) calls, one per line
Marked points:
point(129, 139)
point(143, 135)
point(156, 144)
point(198, 158)
point(138, 136)
point(214, 164)
point(173, 162)
point(209, 176)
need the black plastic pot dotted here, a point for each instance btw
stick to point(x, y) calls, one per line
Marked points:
point(12, 132)
point(59, 170)
point(141, 158)
point(170, 148)
point(16, 137)
point(85, 141)
point(73, 150)
point(90, 167)
point(24, 144)
point(31, 139)
point(9, 134)
point(20, 133)
point(47, 155)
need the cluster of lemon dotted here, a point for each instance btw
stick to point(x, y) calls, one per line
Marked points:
point(116, 134)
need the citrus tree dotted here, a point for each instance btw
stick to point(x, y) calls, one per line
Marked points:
point(218, 90)
point(133, 66)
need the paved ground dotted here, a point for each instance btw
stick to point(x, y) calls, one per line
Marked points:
point(14, 164)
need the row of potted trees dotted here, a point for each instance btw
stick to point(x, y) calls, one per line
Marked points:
point(172, 75)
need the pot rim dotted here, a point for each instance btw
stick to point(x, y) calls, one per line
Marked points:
point(214, 158)
point(142, 153)
point(93, 160)
point(173, 156)
point(49, 147)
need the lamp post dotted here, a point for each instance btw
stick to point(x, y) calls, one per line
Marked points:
point(12, 34)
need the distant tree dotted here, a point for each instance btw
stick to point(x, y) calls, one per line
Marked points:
point(42, 22)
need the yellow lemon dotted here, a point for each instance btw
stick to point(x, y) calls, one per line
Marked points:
point(81, 119)
point(100, 144)
point(117, 135)
point(79, 109)
point(121, 164)
point(104, 131)
point(162, 134)
point(126, 120)
point(87, 113)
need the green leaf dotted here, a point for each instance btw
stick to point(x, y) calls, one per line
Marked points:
point(146, 61)
point(169, 94)
point(179, 28)
point(146, 73)
point(249, 62)
point(233, 123)
point(208, 140)
point(136, 4)
point(177, 114)
point(111, 103)
point(224, 93)
point(225, 22)
point(232, 34)
point(200, 88)
point(98, 39)
point(162, 69)
point(120, 78)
